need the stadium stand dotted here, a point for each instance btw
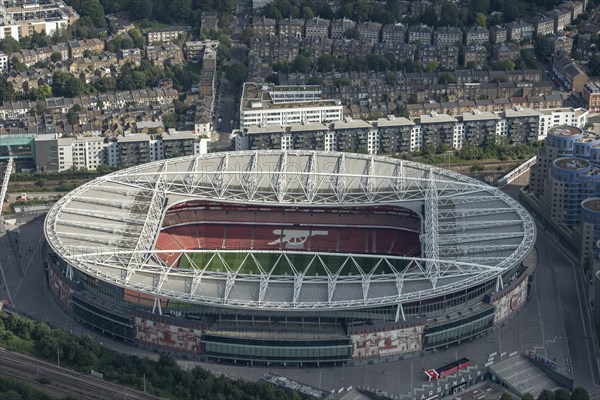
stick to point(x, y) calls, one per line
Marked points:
point(360, 230)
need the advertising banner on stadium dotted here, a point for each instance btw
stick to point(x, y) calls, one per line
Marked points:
point(163, 333)
point(508, 302)
point(387, 342)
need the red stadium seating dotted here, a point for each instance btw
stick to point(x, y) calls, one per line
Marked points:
point(372, 230)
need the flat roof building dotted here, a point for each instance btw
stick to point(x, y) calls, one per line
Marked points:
point(267, 104)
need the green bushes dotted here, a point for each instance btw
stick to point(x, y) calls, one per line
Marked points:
point(163, 377)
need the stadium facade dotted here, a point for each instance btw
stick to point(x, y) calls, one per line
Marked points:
point(295, 257)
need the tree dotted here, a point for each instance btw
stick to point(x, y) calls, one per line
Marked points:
point(137, 38)
point(580, 393)
point(140, 9)
point(351, 33)
point(92, 11)
point(449, 15)
point(7, 92)
point(546, 395)
point(9, 45)
point(562, 394)
point(527, 396)
point(446, 78)
point(55, 57)
point(106, 84)
point(16, 65)
point(529, 60)
point(65, 84)
point(236, 73)
point(10, 395)
point(40, 107)
point(506, 396)
point(432, 66)
point(512, 10)
point(325, 63)
point(223, 53)
point(180, 10)
point(302, 63)
point(247, 35)
point(480, 6)
point(307, 12)
point(543, 47)
point(480, 19)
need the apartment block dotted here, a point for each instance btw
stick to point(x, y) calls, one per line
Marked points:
point(420, 34)
point(591, 96)
point(393, 33)
point(317, 27)
point(369, 31)
point(167, 34)
point(447, 36)
point(340, 26)
point(542, 25)
point(266, 104)
point(291, 27)
point(264, 26)
point(476, 35)
point(3, 62)
point(498, 34)
point(21, 18)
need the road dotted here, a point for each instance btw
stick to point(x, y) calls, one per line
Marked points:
point(64, 382)
point(228, 99)
point(575, 313)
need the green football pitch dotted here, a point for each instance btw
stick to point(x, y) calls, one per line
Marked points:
point(247, 263)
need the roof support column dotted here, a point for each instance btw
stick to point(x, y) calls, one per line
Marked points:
point(400, 313)
point(431, 234)
point(499, 283)
point(69, 271)
point(157, 307)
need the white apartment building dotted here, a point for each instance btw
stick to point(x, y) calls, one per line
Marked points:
point(476, 127)
point(561, 116)
point(266, 104)
point(165, 34)
point(3, 62)
point(8, 28)
point(81, 152)
point(416, 138)
point(19, 18)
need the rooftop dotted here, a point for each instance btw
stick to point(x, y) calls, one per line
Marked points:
point(258, 96)
point(523, 376)
point(477, 115)
point(521, 112)
point(433, 118)
point(392, 120)
point(565, 131)
point(571, 163)
point(592, 204)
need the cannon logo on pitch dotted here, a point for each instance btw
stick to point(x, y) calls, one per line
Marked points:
point(295, 238)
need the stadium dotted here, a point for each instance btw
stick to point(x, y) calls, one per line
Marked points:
point(289, 257)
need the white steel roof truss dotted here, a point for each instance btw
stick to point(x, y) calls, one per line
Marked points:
point(462, 260)
point(149, 231)
point(451, 227)
point(250, 177)
point(219, 180)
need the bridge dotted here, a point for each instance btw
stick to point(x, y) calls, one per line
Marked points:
point(515, 173)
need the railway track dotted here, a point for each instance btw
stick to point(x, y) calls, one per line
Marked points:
point(64, 382)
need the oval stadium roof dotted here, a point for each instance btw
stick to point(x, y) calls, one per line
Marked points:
point(108, 228)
